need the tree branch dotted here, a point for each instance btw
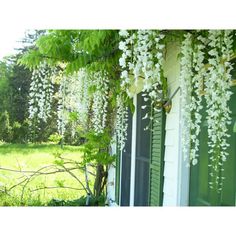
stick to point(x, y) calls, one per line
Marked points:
point(56, 187)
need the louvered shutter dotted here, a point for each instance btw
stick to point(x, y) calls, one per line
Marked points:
point(157, 159)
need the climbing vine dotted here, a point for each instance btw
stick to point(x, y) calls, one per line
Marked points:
point(138, 58)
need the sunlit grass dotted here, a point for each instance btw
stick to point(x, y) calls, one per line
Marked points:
point(34, 157)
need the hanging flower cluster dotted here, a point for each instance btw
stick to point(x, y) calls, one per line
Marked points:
point(191, 83)
point(186, 90)
point(71, 99)
point(195, 105)
point(41, 92)
point(217, 97)
point(62, 115)
point(126, 60)
point(121, 122)
point(100, 101)
point(142, 56)
point(84, 97)
point(74, 96)
point(215, 81)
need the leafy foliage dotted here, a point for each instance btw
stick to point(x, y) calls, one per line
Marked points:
point(76, 48)
point(20, 131)
point(96, 148)
point(55, 138)
point(19, 82)
point(5, 128)
point(93, 201)
point(5, 72)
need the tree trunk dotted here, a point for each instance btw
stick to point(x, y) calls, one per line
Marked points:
point(101, 177)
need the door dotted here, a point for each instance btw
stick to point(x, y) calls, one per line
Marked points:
point(200, 193)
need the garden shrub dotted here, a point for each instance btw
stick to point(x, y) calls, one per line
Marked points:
point(55, 138)
point(16, 136)
point(20, 132)
point(93, 201)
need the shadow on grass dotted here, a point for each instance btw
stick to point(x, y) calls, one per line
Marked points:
point(36, 202)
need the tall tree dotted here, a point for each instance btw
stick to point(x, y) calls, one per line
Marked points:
point(5, 72)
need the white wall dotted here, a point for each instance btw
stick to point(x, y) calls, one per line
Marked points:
point(111, 179)
point(175, 175)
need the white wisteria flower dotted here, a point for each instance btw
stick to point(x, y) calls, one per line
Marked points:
point(217, 96)
point(41, 92)
point(121, 124)
point(100, 101)
point(215, 80)
point(186, 90)
point(145, 59)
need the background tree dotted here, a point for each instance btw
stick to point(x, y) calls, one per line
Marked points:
point(15, 82)
point(5, 72)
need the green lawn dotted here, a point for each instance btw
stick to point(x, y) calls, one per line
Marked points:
point(33, 157)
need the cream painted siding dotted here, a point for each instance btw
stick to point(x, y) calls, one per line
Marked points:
point(111, 180)
point(172, 158)
point(111, 186)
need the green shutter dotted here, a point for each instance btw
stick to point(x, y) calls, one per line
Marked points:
point(157, 159)
point(117, 180)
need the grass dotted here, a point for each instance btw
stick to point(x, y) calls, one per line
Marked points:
point(32, 157)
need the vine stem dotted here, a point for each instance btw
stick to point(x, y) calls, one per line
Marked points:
point(233, 56)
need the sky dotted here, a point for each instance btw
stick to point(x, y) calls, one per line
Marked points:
point(8, 40)
point(181, 15)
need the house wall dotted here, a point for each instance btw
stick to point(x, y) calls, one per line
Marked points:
point(111, 179)
point(176, 174)
point(175, 171)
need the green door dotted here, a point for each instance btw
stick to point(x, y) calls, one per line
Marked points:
point(200, 193)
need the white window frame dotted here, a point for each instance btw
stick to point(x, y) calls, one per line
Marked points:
point(133, 152)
